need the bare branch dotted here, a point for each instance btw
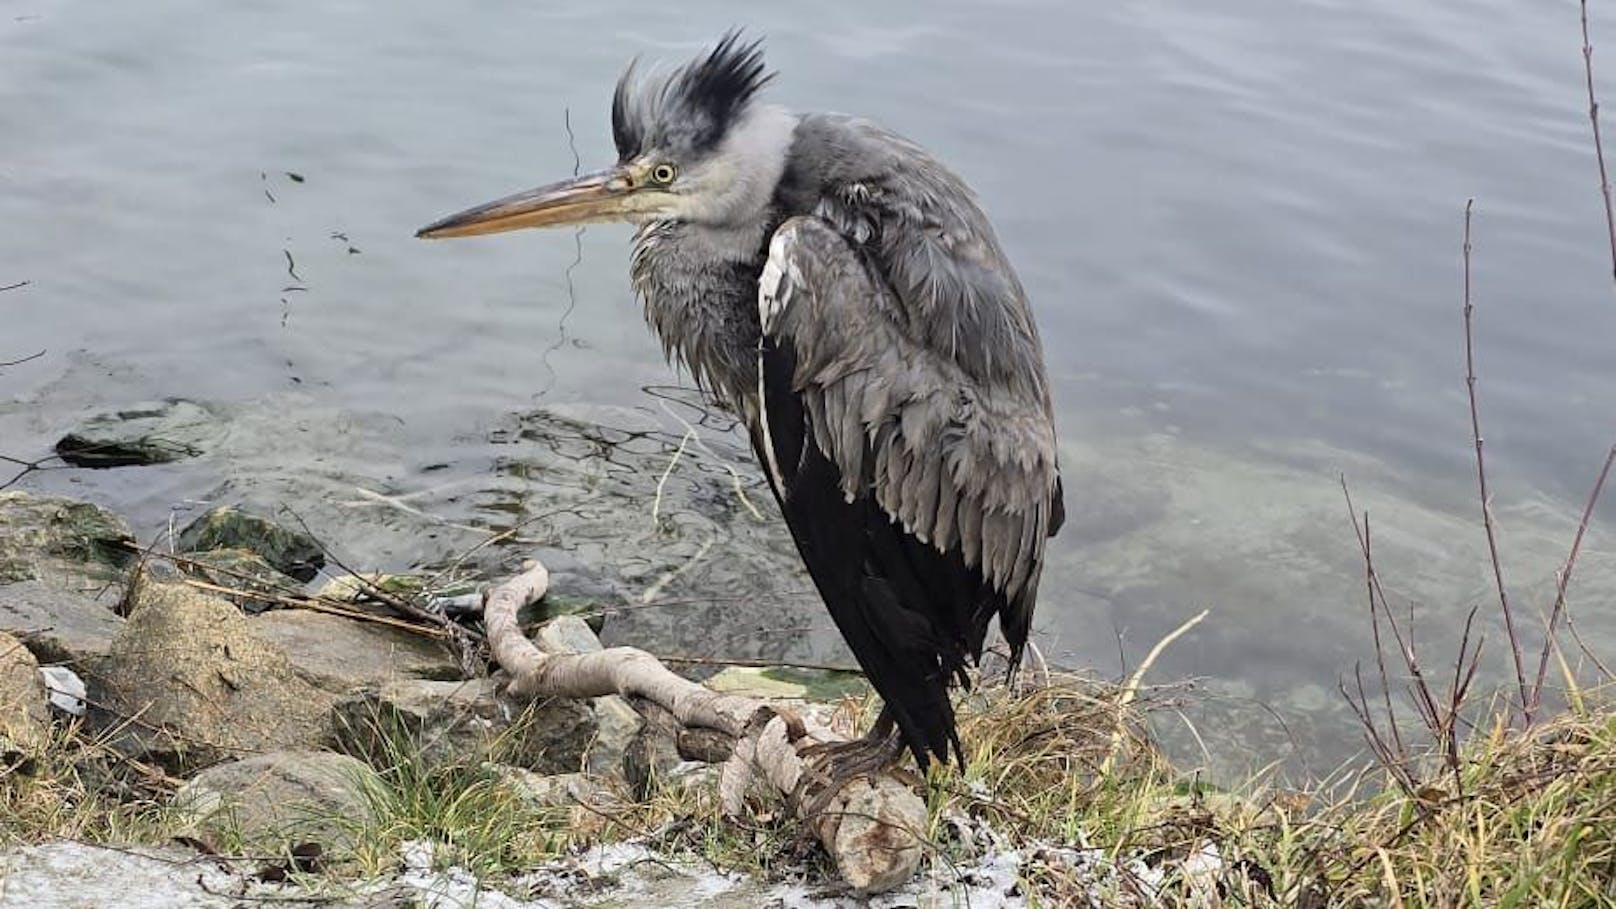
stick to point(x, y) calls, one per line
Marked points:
point(1527, 708)
point(1599, 143)
point(1565, 575)
point(872, 827)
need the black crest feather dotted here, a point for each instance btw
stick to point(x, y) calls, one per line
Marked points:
point(692, 108)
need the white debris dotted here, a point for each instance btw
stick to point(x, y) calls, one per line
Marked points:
point(64, 688)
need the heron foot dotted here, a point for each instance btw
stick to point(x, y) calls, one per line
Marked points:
point(833, 765)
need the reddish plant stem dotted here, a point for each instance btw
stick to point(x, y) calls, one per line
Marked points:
point(1599, 143)
point(1565, 575)
point(1481, 481)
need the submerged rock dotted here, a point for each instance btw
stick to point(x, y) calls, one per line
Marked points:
point(24, 714)
point(48, 536)
point(271, 802)
point(460, 722)
point(59, 626)
point(290, 552)
point(789, 683)
point(153, 433)
point(203, 685)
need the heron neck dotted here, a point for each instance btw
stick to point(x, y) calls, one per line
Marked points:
point(699, 286)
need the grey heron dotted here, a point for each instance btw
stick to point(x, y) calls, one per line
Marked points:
point(841, 290)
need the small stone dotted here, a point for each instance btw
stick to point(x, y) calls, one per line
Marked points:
point(154, 433)
point(567, 634)
point(24, 716)
point(617, 724)
point(203, 685)
point(270, 802)
point(288, 551)
point(584, 802)
point(45, 536)
point(557, 790)
point(653, 753)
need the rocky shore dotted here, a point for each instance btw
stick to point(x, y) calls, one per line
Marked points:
point(250, 731)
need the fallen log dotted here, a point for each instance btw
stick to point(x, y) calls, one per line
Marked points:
point(872, 827)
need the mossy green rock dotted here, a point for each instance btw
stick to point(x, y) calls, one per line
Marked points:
point(243, 570)
point(44, 535)
point(288, 551)
point(590, 609)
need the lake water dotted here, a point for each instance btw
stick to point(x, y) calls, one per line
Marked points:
point(1239, 224)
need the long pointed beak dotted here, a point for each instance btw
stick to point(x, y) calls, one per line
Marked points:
point(600, 196)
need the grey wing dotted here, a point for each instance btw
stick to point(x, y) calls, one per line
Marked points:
point(955, 444)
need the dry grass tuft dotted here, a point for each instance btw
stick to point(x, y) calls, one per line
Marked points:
point(80, 788)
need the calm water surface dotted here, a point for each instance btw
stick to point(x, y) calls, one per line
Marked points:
point(1239, 224)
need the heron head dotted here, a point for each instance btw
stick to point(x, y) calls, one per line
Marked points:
point(692, 145)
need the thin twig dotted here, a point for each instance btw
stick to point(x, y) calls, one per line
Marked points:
point(1371, 581)
point(19, 362)
point(1565, 575)
point(662, 482)
point(1599, 144)
point(1130, 688)
point(1527, 708)
point(15, 286)
point(758, 664)
point(28, 467)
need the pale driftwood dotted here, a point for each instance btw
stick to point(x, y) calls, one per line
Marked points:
point(871, 827)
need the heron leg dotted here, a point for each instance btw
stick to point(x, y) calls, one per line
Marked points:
point(832, 765)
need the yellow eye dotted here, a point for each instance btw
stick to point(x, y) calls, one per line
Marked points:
point(663, 173)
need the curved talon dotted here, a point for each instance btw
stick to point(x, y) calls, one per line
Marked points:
point(833, 765)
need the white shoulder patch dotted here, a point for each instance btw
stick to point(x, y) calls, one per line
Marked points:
point(774, 284)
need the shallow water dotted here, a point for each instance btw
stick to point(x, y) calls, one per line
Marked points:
point(1239, 224)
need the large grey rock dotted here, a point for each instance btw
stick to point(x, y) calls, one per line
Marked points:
point(460, 722)
point(201, 685)
point(50, 537)
point(58, 625)
point(150, 433)
point(291, 552)
point(270, 802)
point(24, 714)
point(341, 654)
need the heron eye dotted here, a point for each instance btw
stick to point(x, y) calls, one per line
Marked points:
point(663, 173)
